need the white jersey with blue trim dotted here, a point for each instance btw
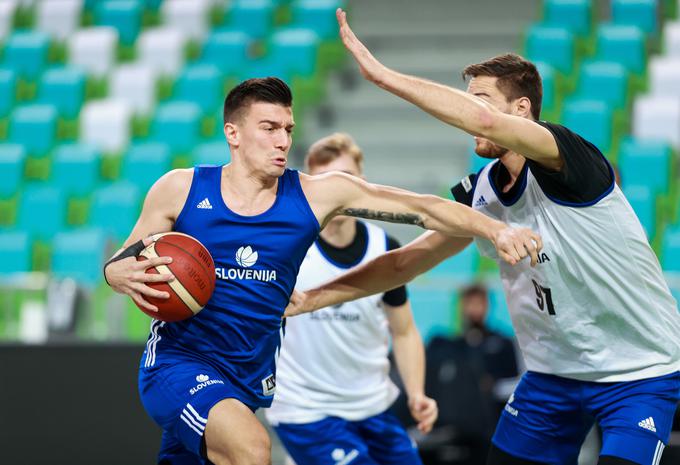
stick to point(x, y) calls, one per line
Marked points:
point(333, 362)
point(596, 307)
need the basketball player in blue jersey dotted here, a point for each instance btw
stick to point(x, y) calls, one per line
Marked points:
point(597, 325)
point(201, 379)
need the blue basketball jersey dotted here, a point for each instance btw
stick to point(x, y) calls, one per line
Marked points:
point(257, 259)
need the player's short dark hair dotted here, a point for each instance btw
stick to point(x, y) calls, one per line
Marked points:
point(474, 290)
point(269, 90)
point(517, 77)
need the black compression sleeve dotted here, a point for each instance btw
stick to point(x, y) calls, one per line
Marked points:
point(399, 295)
point(131, 251)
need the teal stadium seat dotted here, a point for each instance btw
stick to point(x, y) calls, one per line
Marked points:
point(622, 44)
point(75, 168)
point(12, 161)
point(640, 13)
point(15, 250)
point(123, 15)
point(433, 310)
point(547, 73)
point(254, 17)
point(178, 125)
point(144, 163)
point(575, 15)
point(42, 211)
point(552, 45)
point(498, 318)
point(200, 84)
point(212, 153)
point(266, 67)
point(641, 198)
point(227, 49)
point(318, 15)
point(65, 88)
point(670, 255)
point(115, 209)
point(79, 255)
point(591, 119)
point(648, 160)
point(295, 50)
point(34, 126)
point(460, 267)
point(604, 80)
point(8, 83)
point(26, 53)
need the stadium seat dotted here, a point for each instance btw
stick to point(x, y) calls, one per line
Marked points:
point(226, 49)
point(26, 53)
point(657, 117)
point(177, 124)
point(8, 82)
point(115, 209)
point(212, 153)
point(648, 160)
point(265, 67)
point(591, 119)
point(547, 73)
point(460, 267)
point(65, 88)
point(640, 13)
point(123, 15)
point(189, 17)
point(200, 84)
point(602, 80)
point(15, 249)
point(59, 18)
point(433, 310)
point(295, 50)
point(670, 255)
point(145, 163)
point(106, 124)
point(7, 10)
point(12, 161)
point(671, 38)
point(162, 48)
point(134, 84)
point(42, 211)
point(575, 15)
point(35, 127)
point(642, 199)
point(318, 15)
point(664, 76)
point(79, 255)
point(93, 49)
point(254, 17)
point(75, 169)
point(622, 44)
point(552, 45)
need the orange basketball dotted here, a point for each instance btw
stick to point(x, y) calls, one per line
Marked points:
point(194, 272)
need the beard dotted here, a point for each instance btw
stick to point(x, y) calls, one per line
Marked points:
point(487, 149)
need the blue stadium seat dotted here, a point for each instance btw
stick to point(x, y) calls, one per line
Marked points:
point(227, 49)
point(433, 310)
point(178, 125)
point(79, 255)
point(75, 168)
point(575, 15)
point(42, 211)
point(115, 209)
point(604, 80)
point(295, 50)
point(547, 73)
point(641, 198)
point(123, 15)
point(591, 119)
point(34, 126)
point(622, 44)
point(461, 266)
point(145, 163)
point(640, 13)
point(318, 15)
point(8, 82)
point(200, 84)
point(670, 255)
point(212, 153)
point(552, 45)
point(647, 160)
point(254, 17)
point(12, 160)
point(26, 53)
point(15, 250)
point(65, 88)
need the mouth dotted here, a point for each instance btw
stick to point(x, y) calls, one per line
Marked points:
point(279, 161)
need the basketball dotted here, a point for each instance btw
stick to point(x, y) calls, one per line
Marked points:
point(194, 271)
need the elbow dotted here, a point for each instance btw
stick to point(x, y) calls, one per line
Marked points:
point(486, 123)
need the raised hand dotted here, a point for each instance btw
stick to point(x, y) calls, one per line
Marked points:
point(370, 67)
point(513, 244)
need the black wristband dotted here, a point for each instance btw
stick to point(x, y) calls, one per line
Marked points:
point(131, 251)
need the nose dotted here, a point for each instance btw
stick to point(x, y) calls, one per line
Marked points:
point(282, 140)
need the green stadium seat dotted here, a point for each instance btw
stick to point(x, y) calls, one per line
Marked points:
point(8, 82)
point(212, 153)
point(178, 125)
point(144, 163)
point(79, 255)
point(200, 84)
point(604, 80)
point(591, 119)
point(460, 267)
point(295, 50)
point(123, 15)
point(433, 310)
point(575, 15)
point(549, 79)
point(318, 15)
point(670, 250)
point(42, 211)
point(35, 127)
point(115, 209)
point(12, 161)
point(641, 198)
point(227, 49)
point(622, 44)
point(254, 17)
point(26, 53)
point(65, 88)
point(640, 13)
point(15, 250)
point(648, 160)
point(75, 168)
point(552, 45)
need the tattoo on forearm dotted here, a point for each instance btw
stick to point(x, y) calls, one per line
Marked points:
point(404, 218)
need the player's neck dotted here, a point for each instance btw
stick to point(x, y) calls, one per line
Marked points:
point(246, 192)
point(514, 163)
point(340, 233)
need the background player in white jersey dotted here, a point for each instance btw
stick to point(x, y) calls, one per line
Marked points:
point(333, 386)
point(596, 323)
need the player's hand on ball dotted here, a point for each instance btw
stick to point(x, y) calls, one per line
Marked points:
point(424, 410)
point(513, 244)
point(368, 65)
point(129, 276)
point(296, 304)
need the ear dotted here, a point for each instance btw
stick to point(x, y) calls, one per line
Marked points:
point(231, 132)
point(522, 107)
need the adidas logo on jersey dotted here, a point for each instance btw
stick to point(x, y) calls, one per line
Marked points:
point(648, 423)
point(481, 202)
point(204, 204)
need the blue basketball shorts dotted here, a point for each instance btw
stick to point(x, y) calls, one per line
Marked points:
point(547, 418)
point(377, 440)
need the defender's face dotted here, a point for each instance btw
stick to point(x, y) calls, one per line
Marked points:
point(485, 88)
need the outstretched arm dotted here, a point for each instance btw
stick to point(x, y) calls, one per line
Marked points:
point(455, 107)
